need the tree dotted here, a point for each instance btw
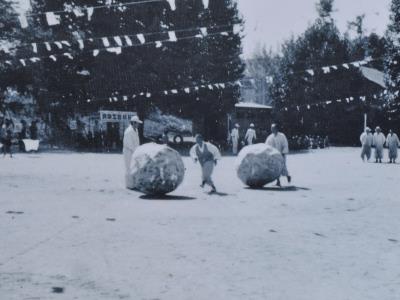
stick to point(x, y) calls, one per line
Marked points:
point(392, 60)
point(325, 8)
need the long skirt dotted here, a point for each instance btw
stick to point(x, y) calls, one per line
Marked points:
point(366, 152)
point(393, 152)
point(379, 152)
point(206, 170)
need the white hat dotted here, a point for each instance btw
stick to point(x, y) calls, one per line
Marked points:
point(237, 125)
point(251, 125)
point(136, 119)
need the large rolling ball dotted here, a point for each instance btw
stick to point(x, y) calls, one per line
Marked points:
point(156, 169)
point(258, 165)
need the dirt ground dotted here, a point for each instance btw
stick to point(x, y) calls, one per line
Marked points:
point(69, 230)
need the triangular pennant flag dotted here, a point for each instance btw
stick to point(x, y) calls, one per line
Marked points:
point(125, 98)
point(174, 91)
point(8, 62)
point(34, 47)
point(58, 44)
point(23, 62)
point(187, 90)
point(346, 66)
point(224, 33)
point(106, 42)
point(34, 59)
point(210, 87)
point(334, 67)
point(52, 19)
point(196, 88)
point(166, 92)
point(128, 40)
point(148, 95)
point(308, 107)
point(78, 12)
point(311, 72)
point(204, 31)
point(328, 102)
point(48, 46)
point(116, 50)
point(118, 40)
point(96, 52)
point(81, 44)
point(66, 43)
point(172, 4)
point(141, 38)
point(158, 44)
point(172, 36)
point(90, 11)
point(326, 70)
point(53, 57)
point(23, 20)
point(68, 55)
point(222, 85)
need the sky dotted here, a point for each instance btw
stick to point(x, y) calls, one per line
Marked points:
point(269, 22)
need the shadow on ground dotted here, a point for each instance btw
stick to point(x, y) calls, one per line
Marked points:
point(166, 197)
point(280, 189)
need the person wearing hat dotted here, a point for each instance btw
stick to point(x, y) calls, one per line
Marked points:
point(250, 136)
point(279, 141)
point(130, 143)
point(366, 140)
point(379, 142)
point(235, 139)
point(207, 155)
point(393, 143)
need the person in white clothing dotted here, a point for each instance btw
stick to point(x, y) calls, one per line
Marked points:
point(250, 136)
point(130, 143)
point(234, 139)
point(393, 143)
point(366, 140)
point(279, 141)
point(379, 142)
point(207, 155)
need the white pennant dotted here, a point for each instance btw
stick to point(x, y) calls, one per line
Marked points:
point(68, 55)
point(346, 66)
point(210, 87)
point(58, 44)
point(326, 70)
point(23, 62)
point(224, 33)
point(118, 40)
point(172, 36)
point(66, 43)
point(48, 47)
point(116, 50)
point(52, 19)
point(106, 42)
point(204, 31)
point(141, 38)
point(174, 91)
point(148, 95)
point(34, 59)
point(23, 20)
point(187, 90)
point(53, 57)
point(172, 4)
point(90, 11)
point(311, 72)
point(78, 12)
point(81, 44)
point(34, 47)
point(128, 40)
point(158, 44)
point(96, 52)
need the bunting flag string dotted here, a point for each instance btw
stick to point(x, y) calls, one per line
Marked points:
point(106, 46)
point(348, 100)
point(117, 97)
point(53, 18)
point(118, 40)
